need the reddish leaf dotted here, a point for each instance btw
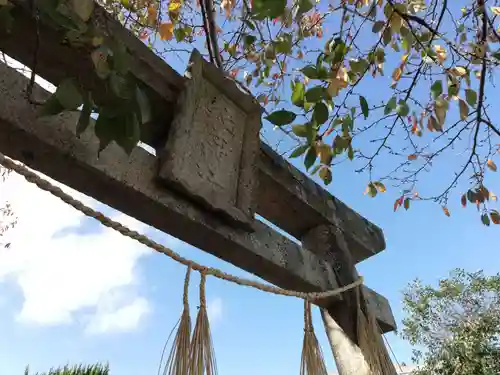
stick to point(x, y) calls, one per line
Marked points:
point(495, 217)
point(492, 165)
point(396, 205)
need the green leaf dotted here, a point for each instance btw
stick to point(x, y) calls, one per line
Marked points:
point(320, 114)
point(464, 109)
point(407, 41)
point(120, 86)
point(380, 186)
point(452, 89)
point(387, 36)
point(315, 169)
point(378, 26)
point(437, 89)
point(310, 71)
point(105, 130)
point(310, 158)
point(364, 106)
point(262, 9)
point(304, 6)
point(407, 204)
point(123, 129)
point(179, 34)
point(130, 135)
point(301, 130)
point(298, 94)
point(60, 14)
point(471, 97)
point(339, 50)
point(249, 40)
point(51, 107)
point(371, 190)
point(83, 8)
point(425, 37)
point(281, 117)
point(250, 24)
point(315, 94)
point(284, 44)
point(325, 174)
point(358, 66)
point(380, 55)
point(69, 94)
point(100, 60)
point(402, 109)
point(143, 107)
point(390, 106)
point(299, 151)
point(84, 119)
point(312, 133)
point(120, 59)
point(485, 219)
point(6, 18)
point(350, 152)
point(347, 122)
point(340, 144)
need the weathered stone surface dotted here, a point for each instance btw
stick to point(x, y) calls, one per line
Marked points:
point(285, 196)
point(297, 204)
point(130, 185)
point(352, 321)
point(330, 245)
point(381, 307)
point(213, 143)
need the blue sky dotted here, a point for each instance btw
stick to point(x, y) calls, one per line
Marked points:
point(72, 291)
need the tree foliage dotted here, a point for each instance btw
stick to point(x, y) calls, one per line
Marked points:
point(457, 324)
point(392, 85)
point(7, 217)
point(97, 369)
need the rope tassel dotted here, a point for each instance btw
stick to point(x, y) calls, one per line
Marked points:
point(178, 360)
point(312, 362)
point(202, 356)
point(370, 340)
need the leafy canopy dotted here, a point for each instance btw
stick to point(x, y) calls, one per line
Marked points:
point(457, 324)
point(97, 369)
point(391, 85)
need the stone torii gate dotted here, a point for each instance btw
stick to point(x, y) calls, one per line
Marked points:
point(211, 174)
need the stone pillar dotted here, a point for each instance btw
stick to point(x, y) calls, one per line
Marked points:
point(355, 341)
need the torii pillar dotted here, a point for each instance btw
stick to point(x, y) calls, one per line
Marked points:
point(354, 335)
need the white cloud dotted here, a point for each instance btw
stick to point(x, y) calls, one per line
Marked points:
point(62, 276)
point(114, 315)
point(214, 310)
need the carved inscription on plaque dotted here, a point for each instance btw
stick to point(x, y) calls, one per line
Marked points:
point(213, 143)
point(222, 126)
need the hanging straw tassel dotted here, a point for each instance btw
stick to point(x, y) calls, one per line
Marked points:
point(371, 342)
point(202, 356)
point(178, 360)
point(312, 362)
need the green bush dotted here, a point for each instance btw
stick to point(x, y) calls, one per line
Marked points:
point(97, 369)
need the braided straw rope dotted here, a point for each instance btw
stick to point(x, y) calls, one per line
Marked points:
point(209, 271)
point(178, 360)
point(312, 361)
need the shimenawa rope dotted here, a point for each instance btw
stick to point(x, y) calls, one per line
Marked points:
point(208, 271)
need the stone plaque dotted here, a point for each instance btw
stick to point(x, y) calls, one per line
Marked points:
point(213, 143)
